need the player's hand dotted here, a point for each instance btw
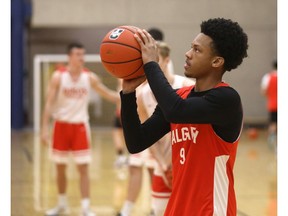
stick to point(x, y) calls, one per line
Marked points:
point(129, 86)
point(45, 137)
point(148, 46)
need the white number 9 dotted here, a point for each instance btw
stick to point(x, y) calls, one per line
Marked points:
point(182, 155)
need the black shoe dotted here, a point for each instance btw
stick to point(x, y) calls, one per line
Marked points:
point(118, 214)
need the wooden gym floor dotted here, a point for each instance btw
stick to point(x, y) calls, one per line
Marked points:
point(33, 178)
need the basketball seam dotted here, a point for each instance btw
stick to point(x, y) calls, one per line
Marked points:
point(125, 27)
point(122, 62)
point(121, 44)
point(132, 72)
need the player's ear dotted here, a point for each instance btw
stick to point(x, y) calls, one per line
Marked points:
point(218, 61)
point(167, 59)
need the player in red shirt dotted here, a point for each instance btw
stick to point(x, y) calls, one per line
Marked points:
point(205, 120)
point(269, 89)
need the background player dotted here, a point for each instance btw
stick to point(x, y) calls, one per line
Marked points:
point(118, 138)
point(67, 101)
point(205, 120)
point(161, 150)
point(269, 90)
point(136, 162)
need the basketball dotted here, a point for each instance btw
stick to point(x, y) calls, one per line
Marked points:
point(121, 54)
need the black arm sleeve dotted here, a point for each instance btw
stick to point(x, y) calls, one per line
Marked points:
point(220, 107)
point(140, 136)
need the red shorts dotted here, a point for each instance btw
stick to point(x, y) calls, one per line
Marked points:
point(159, 188)
point(71, 138)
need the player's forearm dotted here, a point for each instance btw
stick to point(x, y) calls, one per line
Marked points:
point(140, 136)
point(112, 96)
point(131, 123)
point(46, 117)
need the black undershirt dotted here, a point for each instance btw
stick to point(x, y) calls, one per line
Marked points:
point(221, 107)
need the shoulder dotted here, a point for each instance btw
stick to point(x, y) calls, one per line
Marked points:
point(93, 77)
point(184, 89)
point(225, 95)
point(56, 76)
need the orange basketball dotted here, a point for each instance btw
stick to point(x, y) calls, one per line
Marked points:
point(121, 54)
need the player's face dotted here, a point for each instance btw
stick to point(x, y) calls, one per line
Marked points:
point(76, 57)
point(199, 58)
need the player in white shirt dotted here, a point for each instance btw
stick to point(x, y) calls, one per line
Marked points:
point(67, 102)
point(161, 151)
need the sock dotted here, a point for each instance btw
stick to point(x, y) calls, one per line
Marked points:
point(85, 203)
point(62, 200)
point(127, 208)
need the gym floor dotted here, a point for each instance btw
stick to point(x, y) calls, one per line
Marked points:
point(34, 189)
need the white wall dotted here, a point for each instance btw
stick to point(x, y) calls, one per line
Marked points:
point(180, 20)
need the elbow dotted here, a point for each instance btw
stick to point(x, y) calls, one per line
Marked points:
point(132, 150)
point(134, 146)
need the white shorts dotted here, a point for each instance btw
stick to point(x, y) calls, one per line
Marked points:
point(143, 158)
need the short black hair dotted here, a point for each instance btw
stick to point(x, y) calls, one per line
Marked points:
point(74, 45)
point(229, 40)
point(156, 33)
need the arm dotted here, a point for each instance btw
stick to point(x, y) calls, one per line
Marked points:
point(220, 107)
point(140, 136)
point(211, 108)
point(53, 88)
point(100, 88)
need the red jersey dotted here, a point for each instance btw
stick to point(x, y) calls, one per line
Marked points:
point(272, 92)
point(203, 183)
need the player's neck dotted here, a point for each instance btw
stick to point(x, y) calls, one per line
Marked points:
point(204, 85)
point(74, 70)
point(169, 76)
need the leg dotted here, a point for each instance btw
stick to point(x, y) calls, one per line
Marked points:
point(61, 178)
point(135, 182)
point(134, 187)
point(61, 186)
point(84, 180)
point(119, 147)
point(85, 189)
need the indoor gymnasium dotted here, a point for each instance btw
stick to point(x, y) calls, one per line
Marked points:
point(55, 44)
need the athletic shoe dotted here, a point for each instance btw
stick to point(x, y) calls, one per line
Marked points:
point(88, 213)
point(57, 210)
point(121, 161)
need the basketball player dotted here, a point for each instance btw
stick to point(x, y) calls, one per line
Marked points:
point(269, 89)
point(161, 150)
point(67, 101)
point(136, 163)
point(205, 119)
point(118, 137)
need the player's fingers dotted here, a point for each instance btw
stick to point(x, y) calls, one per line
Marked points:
point(144, 36)
point(139, 40)
point(150, 39)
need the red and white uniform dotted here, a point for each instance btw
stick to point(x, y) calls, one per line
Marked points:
point(196, 147)
point(160, 191)
point(70, 112)
point(269, 85)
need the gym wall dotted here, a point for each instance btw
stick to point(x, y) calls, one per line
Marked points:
point(179, 20)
